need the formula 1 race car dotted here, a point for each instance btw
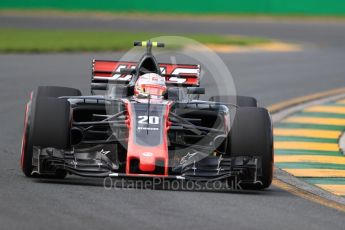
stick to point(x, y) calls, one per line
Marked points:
point(145, 124)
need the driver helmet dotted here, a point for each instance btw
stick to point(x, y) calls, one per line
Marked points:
point(150, 84)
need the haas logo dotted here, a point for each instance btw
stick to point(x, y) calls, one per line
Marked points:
point(147, 154)
point(163, 70)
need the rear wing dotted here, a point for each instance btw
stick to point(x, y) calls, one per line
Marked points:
point(104, 72)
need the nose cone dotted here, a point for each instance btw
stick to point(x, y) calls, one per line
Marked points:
point(147, 162)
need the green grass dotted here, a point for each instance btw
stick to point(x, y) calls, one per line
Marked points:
point(229, 40)
point(46, 40)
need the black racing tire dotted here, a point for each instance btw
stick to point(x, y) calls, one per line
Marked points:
point(46, 124)
point(241, 101)
point(251, 135)
point(56, 91)
point(51, 123)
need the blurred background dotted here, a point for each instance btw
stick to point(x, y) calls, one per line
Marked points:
point(296, 7)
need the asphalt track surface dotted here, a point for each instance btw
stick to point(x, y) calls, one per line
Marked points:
point(79, 203)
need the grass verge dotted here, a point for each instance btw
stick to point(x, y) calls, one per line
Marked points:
point(46, 40)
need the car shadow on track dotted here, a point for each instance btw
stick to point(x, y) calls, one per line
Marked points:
point(117, 184)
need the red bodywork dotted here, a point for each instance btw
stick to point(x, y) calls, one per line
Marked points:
point(147, 155)
point(24, 140)
point(110, 70)
point(24, 136)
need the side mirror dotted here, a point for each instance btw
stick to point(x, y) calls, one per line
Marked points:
point(176, 93)
point(127, 71)
point(195, 90)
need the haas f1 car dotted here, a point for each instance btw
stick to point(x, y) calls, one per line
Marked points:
point(145, 120)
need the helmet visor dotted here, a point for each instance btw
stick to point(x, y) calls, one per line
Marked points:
point(157, 90)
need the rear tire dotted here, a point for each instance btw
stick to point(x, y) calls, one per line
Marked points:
point(46, 124)
point(251, 135)
point(241, 101)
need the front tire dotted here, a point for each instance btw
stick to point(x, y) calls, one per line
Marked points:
point(56, 91)
point(251, 135)
point(46, 124)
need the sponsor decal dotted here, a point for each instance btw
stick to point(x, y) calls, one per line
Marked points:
point(148, 128)
point(147, 154)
